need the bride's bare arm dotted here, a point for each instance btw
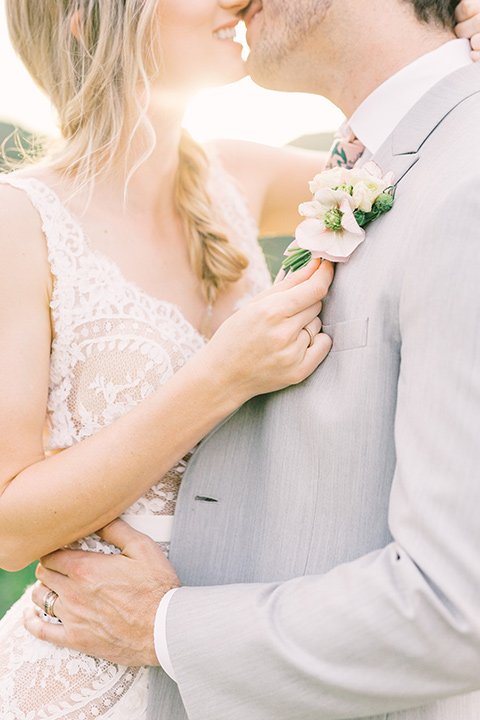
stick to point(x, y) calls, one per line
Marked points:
point(274, 180)
point(48, 502)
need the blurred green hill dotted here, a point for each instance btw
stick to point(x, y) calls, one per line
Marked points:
point(16, 145)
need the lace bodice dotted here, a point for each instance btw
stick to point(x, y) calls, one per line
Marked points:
point(113, 345)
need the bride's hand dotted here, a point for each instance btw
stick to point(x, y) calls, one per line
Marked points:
point(468, 18)
point(265, 346)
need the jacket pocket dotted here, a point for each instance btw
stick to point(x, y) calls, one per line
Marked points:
point(348, 335)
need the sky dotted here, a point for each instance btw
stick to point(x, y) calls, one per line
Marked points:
point(241, 110)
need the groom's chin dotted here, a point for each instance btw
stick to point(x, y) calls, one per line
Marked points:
point(272, 78)
point(264, 74)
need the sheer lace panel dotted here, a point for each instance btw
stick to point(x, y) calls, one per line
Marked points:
point(113, 345)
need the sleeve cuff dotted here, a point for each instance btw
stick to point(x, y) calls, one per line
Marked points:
point(160, 635)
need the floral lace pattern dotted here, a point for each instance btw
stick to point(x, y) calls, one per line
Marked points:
point(113, 346)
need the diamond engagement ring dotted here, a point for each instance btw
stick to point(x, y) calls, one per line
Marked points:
point(49, 601)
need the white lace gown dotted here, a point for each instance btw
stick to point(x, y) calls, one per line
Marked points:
point(113, 346)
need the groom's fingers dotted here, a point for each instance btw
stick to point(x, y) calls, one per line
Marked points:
point(52, 579)
point(132, 543)
point(120, 534)
point(62, 561)
point(53, 633)
point(40, 590)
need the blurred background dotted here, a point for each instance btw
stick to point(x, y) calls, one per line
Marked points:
point(241, 110)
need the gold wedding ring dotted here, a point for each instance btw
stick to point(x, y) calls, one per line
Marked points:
point(49, 601)
point(310, 335)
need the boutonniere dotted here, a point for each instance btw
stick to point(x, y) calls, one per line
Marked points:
point(344, 202)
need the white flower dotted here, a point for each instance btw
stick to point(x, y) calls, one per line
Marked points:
point(364, 194)
point(330, 230)
point(328, 179)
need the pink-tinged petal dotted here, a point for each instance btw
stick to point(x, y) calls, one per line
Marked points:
point(311, 209)
point(346, 243)
point(389, 178)
point(372, 168)
point(348, 221)
point(326, 198)
point(331, 198)
point(332, 258)
point(341, 249)
point(310, 234)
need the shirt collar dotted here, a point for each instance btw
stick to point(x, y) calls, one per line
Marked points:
point(378, 115)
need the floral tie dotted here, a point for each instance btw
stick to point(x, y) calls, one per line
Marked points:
point(345, 151)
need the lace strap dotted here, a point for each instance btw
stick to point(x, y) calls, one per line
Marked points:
point(65, 243)
point(63, 234)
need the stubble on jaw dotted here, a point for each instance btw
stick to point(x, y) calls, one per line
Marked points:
point(278, 54)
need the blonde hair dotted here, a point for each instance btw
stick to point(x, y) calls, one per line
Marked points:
point(98, 81)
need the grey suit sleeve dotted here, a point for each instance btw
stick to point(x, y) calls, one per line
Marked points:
point(400, 627)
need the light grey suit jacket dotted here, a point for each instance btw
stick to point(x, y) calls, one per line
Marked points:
point(341, 518)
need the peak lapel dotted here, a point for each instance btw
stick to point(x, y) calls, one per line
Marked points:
point(402, 149)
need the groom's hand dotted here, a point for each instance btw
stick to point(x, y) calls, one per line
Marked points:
point(107, 603)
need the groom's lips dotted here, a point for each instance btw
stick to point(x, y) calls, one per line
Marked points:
point(250, 11)
point(248, 16)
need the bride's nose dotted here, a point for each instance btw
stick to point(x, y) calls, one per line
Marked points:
point(234, 6)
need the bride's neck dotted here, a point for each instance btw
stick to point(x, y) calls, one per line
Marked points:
point(151, 185)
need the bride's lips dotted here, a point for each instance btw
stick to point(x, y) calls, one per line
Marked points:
point(226, 31)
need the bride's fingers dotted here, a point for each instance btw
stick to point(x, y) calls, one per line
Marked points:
point(306, 316)
point(468, 28)
point(465, 10)
point(291, 280)
point(309, 331)
point(315, 354)
point(301, 297)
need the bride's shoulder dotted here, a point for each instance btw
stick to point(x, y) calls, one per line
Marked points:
point(22, 239)
point(16, 209)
